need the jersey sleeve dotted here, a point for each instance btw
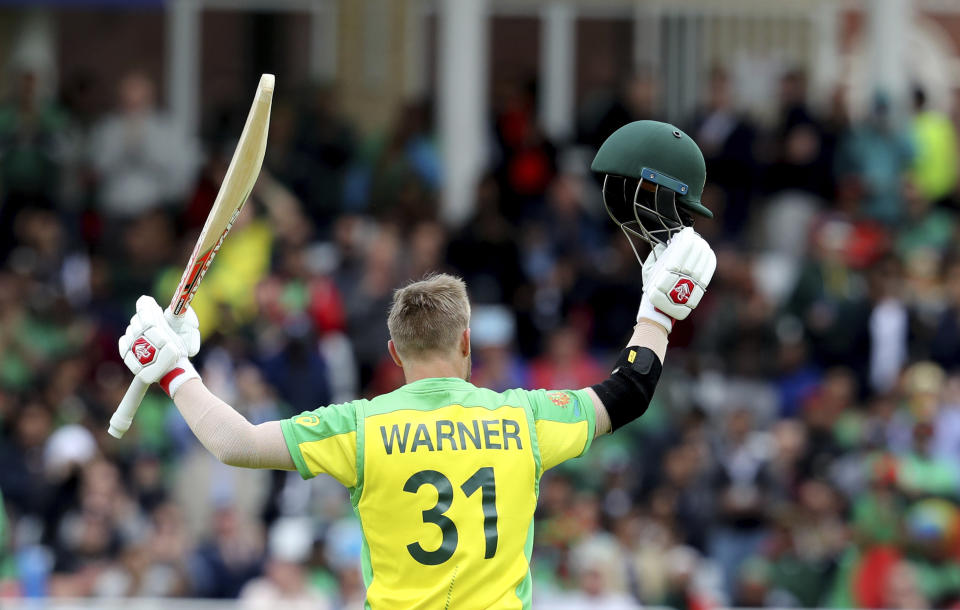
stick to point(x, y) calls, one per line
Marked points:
point(565, 421)
point(324, 440)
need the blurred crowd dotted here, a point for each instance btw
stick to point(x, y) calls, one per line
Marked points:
point(804, 445)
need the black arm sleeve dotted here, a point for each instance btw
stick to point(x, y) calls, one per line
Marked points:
point(626, 394)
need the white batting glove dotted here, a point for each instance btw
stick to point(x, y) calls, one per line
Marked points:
point(153, 351)
point(675, 282)
point(647, 310)
point(651, 262)
point(187, 327)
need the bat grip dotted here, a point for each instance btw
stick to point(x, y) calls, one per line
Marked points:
point(123, 416)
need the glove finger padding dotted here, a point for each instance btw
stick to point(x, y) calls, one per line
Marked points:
point(134, 330)
point(149, 311)
point(708, 266)
point(681, 277)
point(650, 263)
point(694, 257)
point(187, 327)
point(683, 251)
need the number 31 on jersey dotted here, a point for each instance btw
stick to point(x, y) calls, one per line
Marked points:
point(482, 479)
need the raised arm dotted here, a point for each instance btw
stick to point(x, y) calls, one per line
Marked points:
point(155, 348)
point(227, 434)
point(674, 280)
point(639, 390)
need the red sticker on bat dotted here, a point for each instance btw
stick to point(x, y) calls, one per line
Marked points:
point(144, 351)
point(193, 274)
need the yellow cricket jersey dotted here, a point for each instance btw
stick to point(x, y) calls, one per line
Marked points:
point(444, 477)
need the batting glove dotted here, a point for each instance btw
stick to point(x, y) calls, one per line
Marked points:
point(153, 351)
point(676, 280)
point(651, 262)
point(187, 327)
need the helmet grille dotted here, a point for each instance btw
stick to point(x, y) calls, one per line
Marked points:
point(643, 209)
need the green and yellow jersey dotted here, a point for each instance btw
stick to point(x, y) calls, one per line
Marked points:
point(444, 477)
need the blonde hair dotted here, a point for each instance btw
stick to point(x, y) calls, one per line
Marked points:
point(429, 316)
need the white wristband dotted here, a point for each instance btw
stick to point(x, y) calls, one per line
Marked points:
point(182, 372)
point(649, 312)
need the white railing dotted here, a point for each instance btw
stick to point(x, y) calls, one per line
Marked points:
point(756, 41)
point(128, 604)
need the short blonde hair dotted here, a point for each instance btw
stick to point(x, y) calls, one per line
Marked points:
point(429, 316)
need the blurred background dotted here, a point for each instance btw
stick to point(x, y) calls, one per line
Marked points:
point(804, 445)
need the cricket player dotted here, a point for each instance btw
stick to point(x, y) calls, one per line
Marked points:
point(444, 475)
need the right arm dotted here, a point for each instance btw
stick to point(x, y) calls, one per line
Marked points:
point(228, 435)
point(313, 442)
point(155, 348)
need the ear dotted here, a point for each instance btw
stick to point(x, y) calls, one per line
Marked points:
point(465, 343)
point(394, 354)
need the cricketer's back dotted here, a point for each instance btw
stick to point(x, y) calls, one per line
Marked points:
point(444, 477)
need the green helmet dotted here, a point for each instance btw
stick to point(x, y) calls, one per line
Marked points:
point(654, 176)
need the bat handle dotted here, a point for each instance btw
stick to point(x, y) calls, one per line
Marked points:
point(123, 416)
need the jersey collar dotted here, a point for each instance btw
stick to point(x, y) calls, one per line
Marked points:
point(432, 383)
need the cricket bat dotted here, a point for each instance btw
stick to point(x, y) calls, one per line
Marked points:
point(237, 183)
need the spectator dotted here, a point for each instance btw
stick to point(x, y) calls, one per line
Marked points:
point(935, 138)
point(404, 169)
point(944, 346)
point(527, 159)
point(566, 364)
point(635, 98)
point(495, 276)
point(143, 160)
point(285, 579)
point(726, 138)
point(24, 487)
point(802, 150)
point(492, 336)
point(596, 567)
point(225, 563)
point(877, 154)
point(742, 484)
point(889, 326)
point(311, 152)
point(33, 142)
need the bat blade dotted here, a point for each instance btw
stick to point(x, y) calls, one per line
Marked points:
point(241, 175)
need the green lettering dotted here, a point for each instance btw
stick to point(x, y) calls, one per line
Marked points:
point(436, 516)
point(441, 425)
point(484, 479)
point(489, 433)
point(421, 437)
point(395, 438)
point(475, 437)
point(511, 429)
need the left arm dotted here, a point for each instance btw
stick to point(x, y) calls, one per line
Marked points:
point(675, 277)
point(648, 335)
